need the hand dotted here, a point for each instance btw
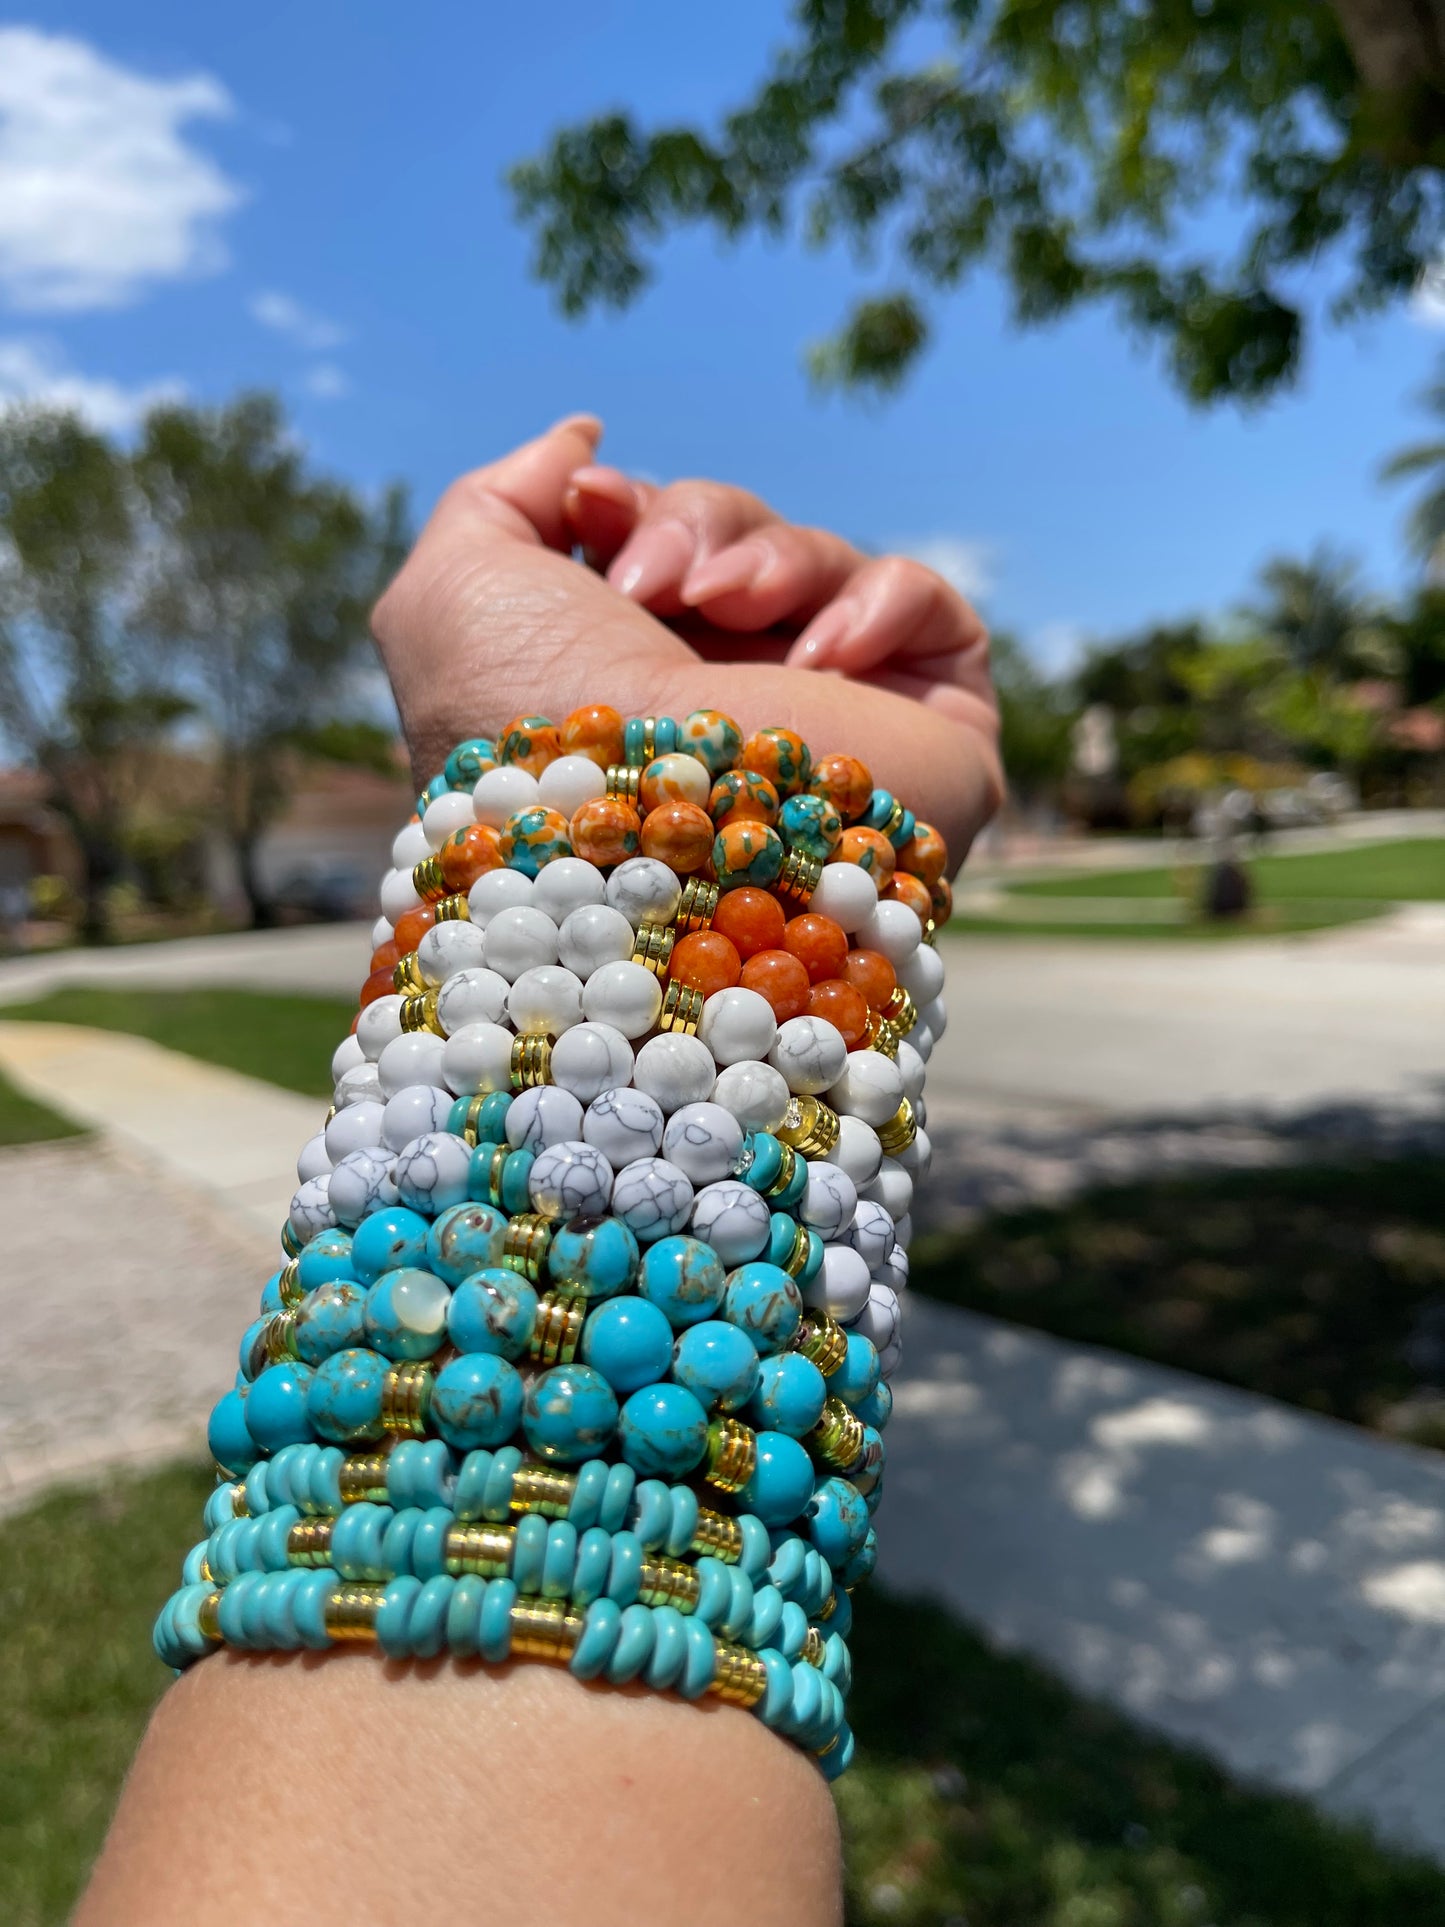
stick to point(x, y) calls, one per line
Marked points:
point(491, 617)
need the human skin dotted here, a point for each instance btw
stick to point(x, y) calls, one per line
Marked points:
point(321, 1789)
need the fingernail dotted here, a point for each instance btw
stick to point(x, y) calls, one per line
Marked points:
point(655, 560)
point(738, 567)
point(604, 484)
point(588, 425)
point(823, 636)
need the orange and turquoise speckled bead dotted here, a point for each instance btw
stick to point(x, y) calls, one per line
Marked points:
point(782, 756)
point(847, 784)
point(741, 795)
point(870, 850)
point(713, 738)
point(530, 743)
point(679, 835)
point(531, 839)
point(810, 824)
point(606, 831)
point(595, 731)
point(746, 853)
point(911, 890)
point(674, 778)
point(924, 855)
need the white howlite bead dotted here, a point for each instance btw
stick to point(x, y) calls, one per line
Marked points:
point(644, 890)
point(904, 1228)
point(911, 1070)
point(704, 1141)
point(871, 1087)
point(857, 1151)
point(570, 1180)
point(569, 782)
point(472, 997)
point(916, 1157)
point(381, 932)
point(476, 1058)
point(431, 1172)
point(893, 1271)
point(841, 1286)
point(501, 791)
point(379, 1022)
point(845, 893)
point(756, 1094)
point(592, 935)
point(546, 998)
point(449, 947)
point(497, 890)
point(733, 1219)
point(419, 1108)
point(737, 1024)
point(922, 975)
point(413, 1058)
point(870, 1233)
point(445, 815)
point(356, 1128)
point(624, 1124)
point(921, 1038)
point(541, 1116)
point(676, 1070)
point(357, 1086)
point(829, 1201)
point(569, 883)
point(890, 1359)
point(311, 1209)
point(314, 1160)
point(519, 939)
point(935, 1017)
point(877, 1318)
point(398, 894)
point(810, 1053)
point(360, 1184)
point(625, 995)
point(347, 1055)
point(894, 930)
point(589, 1059)
point(652, 1198)
point(410, 847)
point(892, 1188)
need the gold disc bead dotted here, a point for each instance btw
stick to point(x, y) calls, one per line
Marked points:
point(882, 1036)
point(290, 1243)
point(558, 1330)
point(785, 1171)
point(652, 947)
point(547, 1489)
point(697, 906)
point(362, 1478)
point(420, 1012)
point(471, 1117)
point(623, 782)
point(810, 1126)
point(813, 1647)
point(900, 1130)
point(529, 1236)
point(930, 932)
point(486, 1550)
point(732, 1454)
point(351, 1612)
point(798, 878)
point(427, 879)
point(796, 1261)
point(741, 1678)
point(308, 1543)
point(208, 1617)
point(900, 1011)
point(453, 909)
point(291, 1288)
point(406, 977)
point(544, 1628)
point(837, 1438)
point(531, 1060)
point(406, 1398)
point(717, 1536)
point(822, 1341)
point(669, 1582)
point(681, 1010)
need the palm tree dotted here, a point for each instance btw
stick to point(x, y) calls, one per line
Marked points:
point(1426, 525)
point(1318, 613)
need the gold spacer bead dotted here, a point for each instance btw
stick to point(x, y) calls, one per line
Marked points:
point(900, 1130)
point(290, 1243)
point(279, 1335)
point(652, 947)
point(351, 1611)
point(668, 1582)
point(204, 1572)
point(208, 1617)
point(882, 1036)
point(406, 1398)
point(557, 1333)
point(813, 1649)
point(531, 1059)
point(529, 1236)
point(717, 1535)
point(741, 1678)
point(406, 977)
point(930, 932)
point(420, 1012)
point(697, 906)
point(544, 1628)
point(785, 1171)
point(498, 1158)
point(797, 1258)
point(681, 1010)
point(546, 1489)
point(895, 820)
point(623, 782)
point(732, 1453)
point(292, 1289)
point(470, 1118)
point(363, 1477)
point(649, 739)
point(454, 909)
point(240, 1504)
point(822, 1341)
point(837, 1438)
point(901, 1011)
point(828, 1607)
point(798, 878)
point(869, 1469)
point(427, 879)
point(486, 1550)
point(810, 1126)
point(308, 1543)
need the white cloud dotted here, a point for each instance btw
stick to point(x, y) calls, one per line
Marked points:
point(33, 370)
point(326, 381)
point(287, 316)
point(970, 565)
point(1057, 646)
point(100, 193)
point(1427, 303)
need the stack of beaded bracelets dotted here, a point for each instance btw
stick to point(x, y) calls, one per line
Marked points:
point(582, 1343)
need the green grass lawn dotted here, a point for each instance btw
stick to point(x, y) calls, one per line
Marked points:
point(24, 1121)
point(285, 1040)
point(1322, 1287)
point(984, 1790)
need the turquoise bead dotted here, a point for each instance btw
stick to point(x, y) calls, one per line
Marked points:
point(420, 1472)
point(494, 1630)
point(790, 1395)
point(406, 1313)
point(356, 1542)
point(793, 1631)
point(685, 1511)
point(776, 1703)
point(344, 1398)
point(757, 1547)
point(879, 808)
point(633, 742)
point(782, 1480)
point(428, 1628)
point(393, 1616)
point(665, 737)
point(252, 1349)
point(438, 786)
point(388, 1240)
point(669, 1649)
point(877, 1408)
point(271, 1301)
point(594, 1563)
point(699, 1666)
point(476, 1400)
point(617, 1499)
point(598, 1256)
point(766, 1617)
point(858, 1374)
point(763, 1300)
point(740, 1605)
point(714, 739)
point(470, 1486)
point(717, 1363)
point(807, 1700)
point(584, 1508)
point(629, 1341)
point(468, 761)
point(861, 1563)
point(624, 1568)
point(497, 1497)
point(839, 1757)
point(840, 1620)
point(652, 1513)
point(534, 840)
point(464, 1615)
point(326, 1257)
point(529, 1552)
point(714, 1591)
point(633, 1647)
point(228, 1436)
point(308, 1608)
point(276, 1412)
point(683, 1278)
point(600, 1626)
point(492, 1311)
point(867, 1474)
point(329, 1319)
point(811, 824)
point(466, 1238)
point(488, 1122)
point(662, 1431)
point(569, 1413)
point(904, 832)
point(761, 1160)
point(516, 1170)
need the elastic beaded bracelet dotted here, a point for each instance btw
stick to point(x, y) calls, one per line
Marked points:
point(580, 1346)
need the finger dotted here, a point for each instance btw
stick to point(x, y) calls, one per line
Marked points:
point(603, 507)
point(781, 574)
point(893, 609)
point(681, 525)
point(524, 493)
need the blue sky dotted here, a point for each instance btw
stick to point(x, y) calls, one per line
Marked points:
point(310, 198)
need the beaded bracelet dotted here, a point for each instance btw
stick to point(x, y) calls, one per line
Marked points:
point(581, 1344)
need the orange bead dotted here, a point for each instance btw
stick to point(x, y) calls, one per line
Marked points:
point(378, 984)
point(385, 954)
point(706, 961)
point(778, 976)
point(781, 755)
point(605, 830)
point(468, 855)
point(843, 1006)
point(412, 926)
point(847, 784)
point(870, 972)
point(752, 919)
point(674, 778)
point(942, 895)
point(740, 795)
point(679, 835)
point(924, 855)
point(909, 890)
point(871, 851)
point(596, 731)
point(530, 743)
point(354, 1022)
point(819, 944)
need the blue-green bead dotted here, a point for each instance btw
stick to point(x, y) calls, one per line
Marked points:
point(598, 1256)
point(466, 1238)
point(714, 739)
point(652, 1512)
point(600, 1626)
point(617, 1498)
point(840, 1620)
point(740, 1605)
point(494, 1631)
point(839, 1757)
point(773, 1708)
point(764, 1301)
point(790, 1395)
point(685, 1511)
point(276, 1412)
point(512, 1192)
point(308, 1608)
point(327, 1256)
point(470, 1486)
point(228, 1436)
point(344, 1398)
point(252, 1349)
point(438, 786)
point(786, 1568)
point(497, 1498)
point(714, 1591)
point(683, 1278)
point(699, 1666)
point(428, 1628)
point(791, 1195)
point(569, 1413)
point(766, 1617)
point(476, 1400)
point(782, 1480)
point(633, 1646)
point(717, 1363)
point(584, 1508)
point(481, 1120)
point(388, 1240)
point(904, 831)
point(878, 809)
point(877, 1408)
point(807, 1700)
point(633, 740)
point(529, 1552)
point(560, 1563)
point(757, 1547)
point(662, 1431)
point(858, 1374)
point(271, 1300)
point(464, 1615)
point(468, 761)
point(629, 1341)
point(406, 1313)
point(665, 735)
point(329, 1319)
point(420, 1472)
point(792, 1631)
point(858, 1566)
point(594, 1563)
point(492, 1311)
point(669, 1649)
point(356, 1542)
point(393, 1616)
point(811, 824)
point(624, 1568)
point(761, 1159)
point(533, 840)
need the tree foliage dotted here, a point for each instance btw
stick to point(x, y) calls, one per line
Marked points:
point(1072, 144)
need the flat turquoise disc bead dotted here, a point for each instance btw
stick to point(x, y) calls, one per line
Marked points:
point(492, 1311)
point(276, 1413)
point(598, 1256)
point(789, 1397)
point(765, 1303)
point(406, 1313)
point(476, 1400)
point(529, 1552)
point(466, 1238)
point(329, 1319)
point(600, 1627)
point(662, 1431)
point(717, 1363)
point(393, 1616)
point(387, 1240)
point(464, 1615)
point(699, 1664)
point(343, 1399)
point(516, 1170)
point(629, 1341)
point(782, 1480)
point(494, 1630)
point(683, 1278)
point(633, 1647)
point(560, 1562)
point(669, 1649)
point(762, 1157)
point(569, 1414)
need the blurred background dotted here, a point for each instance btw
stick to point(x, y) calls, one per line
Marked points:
point(1128, 316)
